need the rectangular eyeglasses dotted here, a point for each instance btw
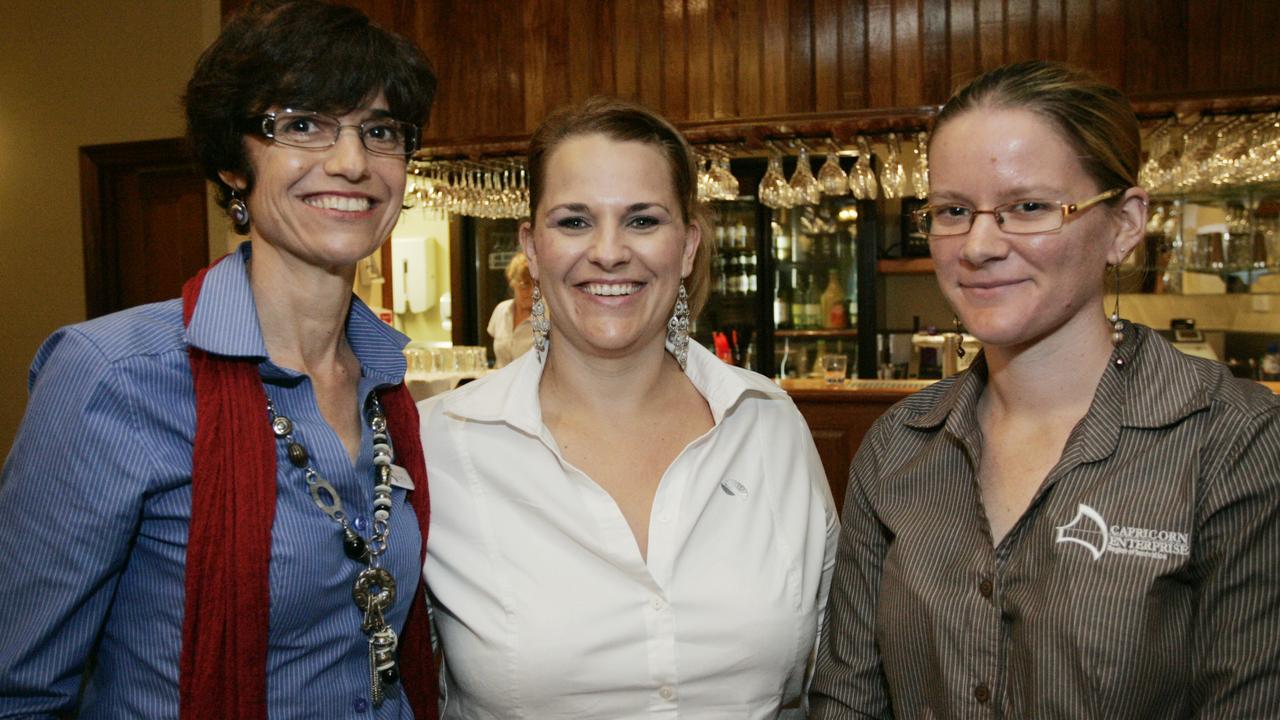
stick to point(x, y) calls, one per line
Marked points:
point(316, 131)
point(1021, 217)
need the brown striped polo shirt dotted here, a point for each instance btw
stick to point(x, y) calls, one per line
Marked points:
point(1143, 580)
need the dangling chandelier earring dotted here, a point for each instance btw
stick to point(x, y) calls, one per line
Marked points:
point(541, 324)
point(678, 328)
point(239, 212)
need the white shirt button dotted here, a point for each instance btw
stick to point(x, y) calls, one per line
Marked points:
point(657, 603)
point(666, 692)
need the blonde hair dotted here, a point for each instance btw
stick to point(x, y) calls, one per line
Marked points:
point(1095, 118)
point(518, 269)
point(625, 121)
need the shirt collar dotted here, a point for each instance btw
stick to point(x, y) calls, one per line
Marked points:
point(510, 395)
point(225, 322)
point(1148, 383)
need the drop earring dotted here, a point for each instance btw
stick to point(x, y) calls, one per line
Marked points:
point(678, 328)
point(955, 322)
point(1117, 326)
point(541, 324)
point(239, 212)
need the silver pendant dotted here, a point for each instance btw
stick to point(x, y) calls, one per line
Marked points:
point(375, 677)
point(383, 665)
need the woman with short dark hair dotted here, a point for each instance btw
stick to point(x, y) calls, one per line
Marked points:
point(220, 499)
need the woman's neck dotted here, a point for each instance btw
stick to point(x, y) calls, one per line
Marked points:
point(302, 310)
point(1055, 376)
point(602, 386)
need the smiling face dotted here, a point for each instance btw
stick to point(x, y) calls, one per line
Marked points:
point(1014, 290)
point(607, 245)
point(327, 207)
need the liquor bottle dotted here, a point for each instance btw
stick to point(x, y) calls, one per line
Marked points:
point(799, 315)
point(740, 236)
point(833, 310)
point(718, 278)
point(781, 303)
point(732, 271)
point(751, 271)
point(800, 244)
point(851, 278)
point(813, 304)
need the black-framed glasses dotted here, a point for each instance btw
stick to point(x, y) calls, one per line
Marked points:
point(1021, 217)
point(316, 131)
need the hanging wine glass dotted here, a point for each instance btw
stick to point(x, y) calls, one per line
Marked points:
point(706, 186)
point(866, 176)
point(723, 179)
point(920, 171)
point(892, 175)
point(774, 191)
point(806, 189)
point(831, 176)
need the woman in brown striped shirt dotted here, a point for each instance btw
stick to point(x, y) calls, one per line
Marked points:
point(1086, 524)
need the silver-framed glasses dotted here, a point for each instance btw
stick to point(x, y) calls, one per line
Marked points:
point(316, 131)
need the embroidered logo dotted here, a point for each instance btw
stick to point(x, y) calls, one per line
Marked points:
point(733, 488)
point(1089, 530)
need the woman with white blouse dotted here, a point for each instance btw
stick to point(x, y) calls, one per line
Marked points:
point(511, 325)
point(623, 525)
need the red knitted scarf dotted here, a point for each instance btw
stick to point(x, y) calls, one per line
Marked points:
point(223, 670)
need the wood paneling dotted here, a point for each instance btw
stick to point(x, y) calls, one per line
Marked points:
point(837, 421)
point(505, 64)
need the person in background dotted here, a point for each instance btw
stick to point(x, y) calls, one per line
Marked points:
point(1086, 523)
point(510, 324)
point(201, 487)
point(624, 525)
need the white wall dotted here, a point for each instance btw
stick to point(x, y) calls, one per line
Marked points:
point(73, 73)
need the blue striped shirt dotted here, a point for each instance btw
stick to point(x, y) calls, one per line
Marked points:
point(95, 503)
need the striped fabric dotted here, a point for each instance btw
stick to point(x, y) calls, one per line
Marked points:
point(95, 501)
point(1143, 581)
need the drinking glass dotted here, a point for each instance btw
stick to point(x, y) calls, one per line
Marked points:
point(866, 178)
point(774, 191)
point(805, 187)
point(725, 183)
point(833, 368)
point(831, 176)
point(920, 168)
point(893, 179)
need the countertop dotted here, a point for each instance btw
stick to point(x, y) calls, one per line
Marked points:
point(854, 389)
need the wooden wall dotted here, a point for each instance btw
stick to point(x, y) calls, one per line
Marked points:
point(503, 64)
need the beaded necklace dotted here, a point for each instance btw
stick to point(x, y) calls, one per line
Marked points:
point(374, 589)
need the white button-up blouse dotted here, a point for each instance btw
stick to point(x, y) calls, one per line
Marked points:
point(544, 605)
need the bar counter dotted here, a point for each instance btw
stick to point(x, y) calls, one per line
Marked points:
point(839, 415)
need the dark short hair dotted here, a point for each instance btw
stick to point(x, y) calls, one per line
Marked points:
point(297, 53)
point(1093, 117)
point(626, 121)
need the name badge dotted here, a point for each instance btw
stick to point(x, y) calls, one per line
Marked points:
point(400, 478)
